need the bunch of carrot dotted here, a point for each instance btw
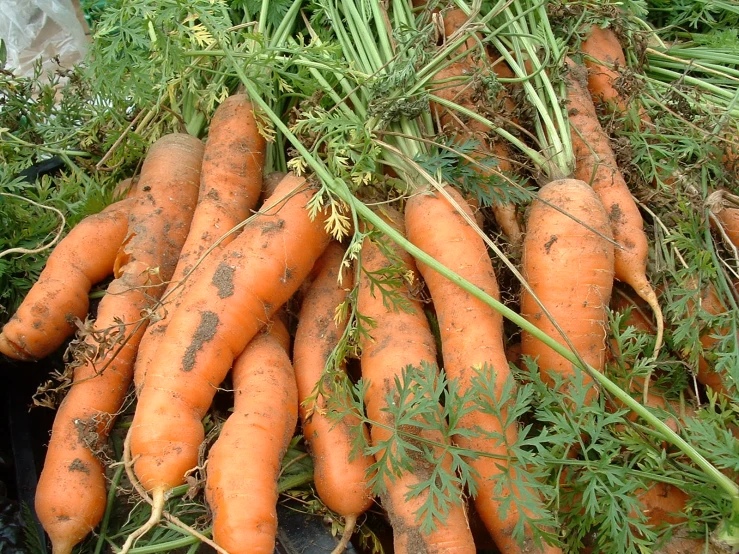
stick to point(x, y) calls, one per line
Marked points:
point(200, 271)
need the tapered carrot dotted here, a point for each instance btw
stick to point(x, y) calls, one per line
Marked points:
point(471, 340)
point(452, 84)
point(59, 298)
point(71, 497)
point(603, 58)
point(244, 463)
point(568, 262)
point(233, 297)
point(341, 477)
point(400, 339)
point(596, 164)
point(230, 185)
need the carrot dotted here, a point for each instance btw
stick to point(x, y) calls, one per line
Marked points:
point(59, 298)
point(400, 339)
point(568, 262)
point(603, 58)
point(462, 94)
point(270, 182)
point(233, 297)
point(230, 185)
point(710, 302)
point(71, 498)
point(244, 463)
point(596, 164)
point(471, 339)
point(725, 206)
point(340, 477)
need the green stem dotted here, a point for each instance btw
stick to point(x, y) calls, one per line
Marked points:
point(294, 481)
point(169, 545)
point(108, 509)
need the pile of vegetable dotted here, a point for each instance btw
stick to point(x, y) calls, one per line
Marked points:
point(466, 272)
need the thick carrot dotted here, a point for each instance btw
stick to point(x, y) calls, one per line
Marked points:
point(244, 463)
point(59, 298)
point(230, 185)
point(568, 262)
point(400, 339)
point(71, 498)
point(596, 164)
point(471, 340)
point(340, 477)
point(234, 296)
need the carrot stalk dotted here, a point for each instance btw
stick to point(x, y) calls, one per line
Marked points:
point(71, 498)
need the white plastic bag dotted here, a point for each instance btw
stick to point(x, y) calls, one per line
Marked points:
point(41, 28)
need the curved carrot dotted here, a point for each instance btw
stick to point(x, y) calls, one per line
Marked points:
point(596, 164)
point(230, 185)
point(399, 339)
point(234, 296)
point(71, 498)
point(244, 463)
point(471, 339)
point(59, 298)
point(569, 263)
point(340, 477)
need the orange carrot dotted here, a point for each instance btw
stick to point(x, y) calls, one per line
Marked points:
point(244, 463)
point(233, 297)
point(568, 262)
point(340, 477)
point(400, 339)
point(462, 94)
point(71, 497)
point(471, 340)
point(725, 206)
point(59, 298)
point(710, 302)
point(230, 185)
point(596, 164)
point(603, 58)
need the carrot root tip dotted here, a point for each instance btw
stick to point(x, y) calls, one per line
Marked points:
point(350, 522)
point(157, 509)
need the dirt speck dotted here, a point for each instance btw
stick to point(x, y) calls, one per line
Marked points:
point(270, 227)
point(205, 332)
point(223, 279)
point(79, 465)
point(549, 243)
point(615, 215)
